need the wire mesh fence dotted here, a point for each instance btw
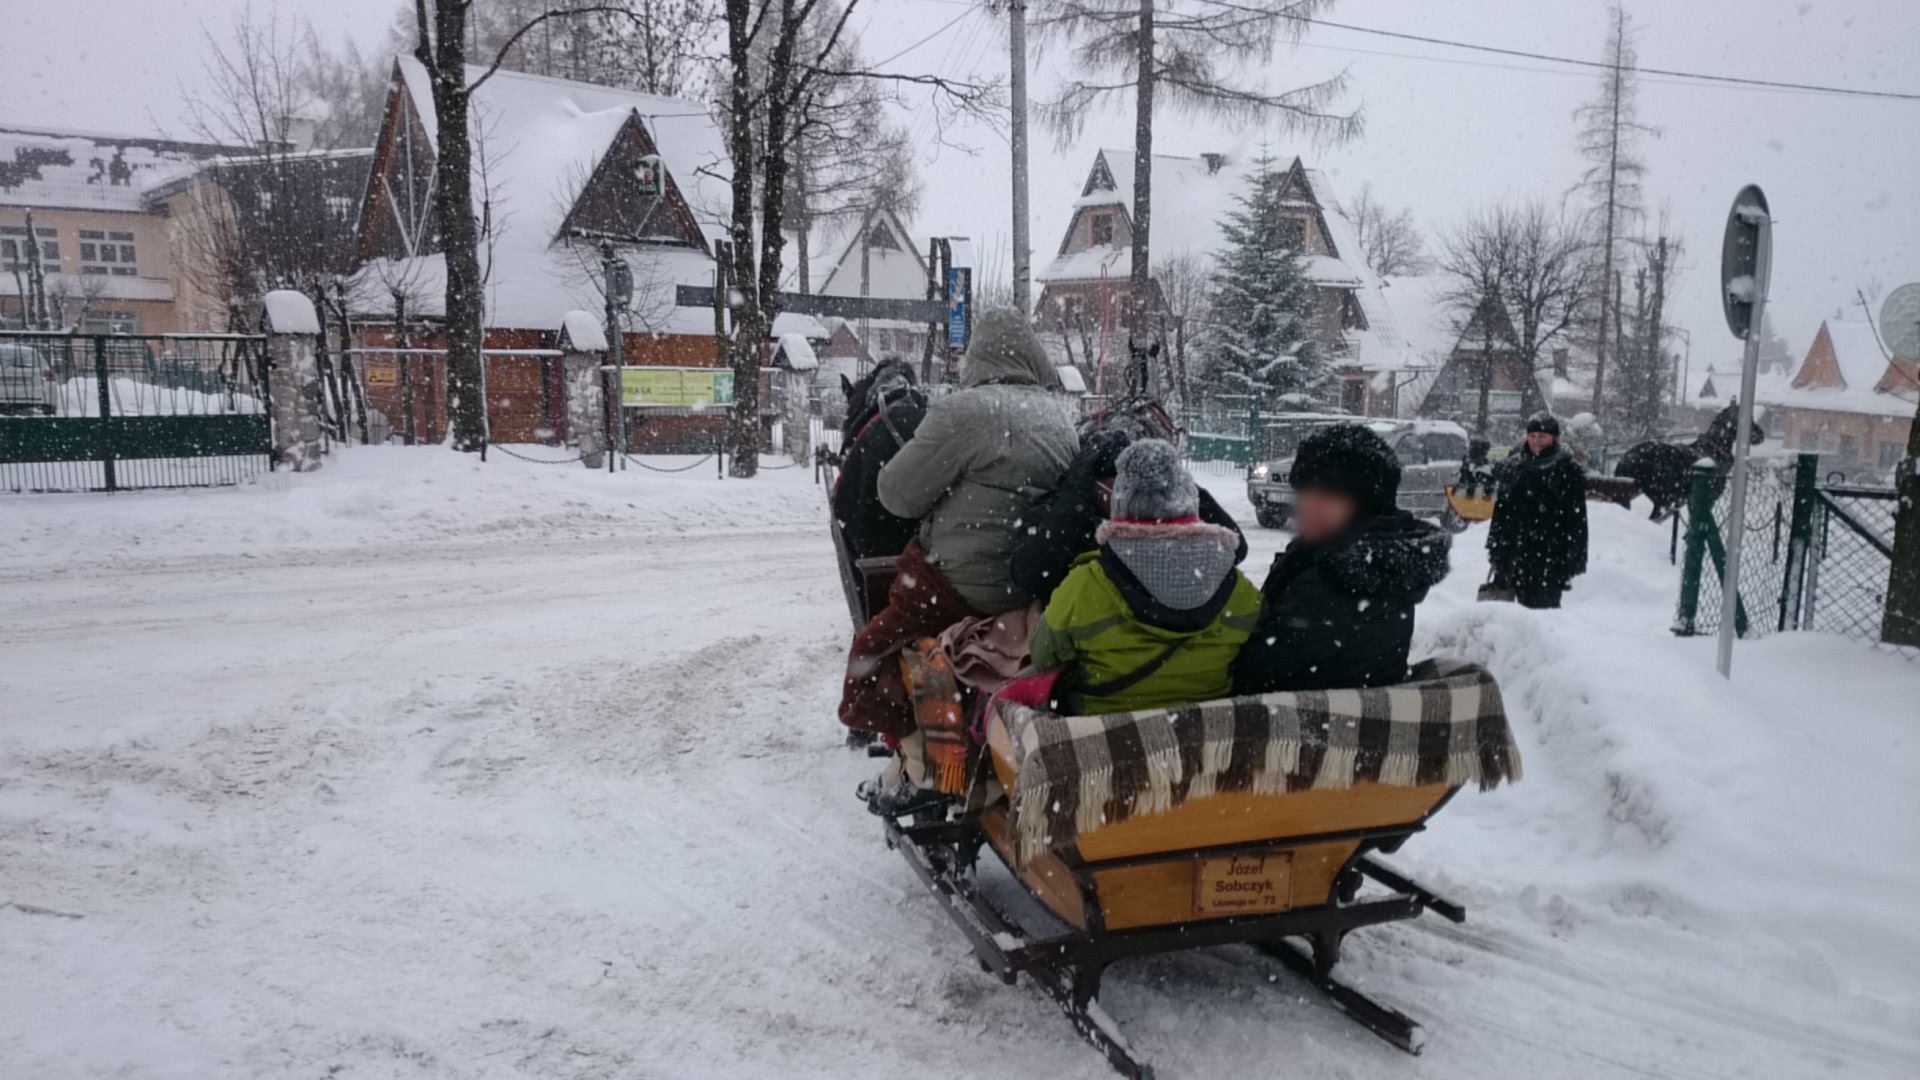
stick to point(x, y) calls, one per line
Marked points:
point(1813, 556)
point(1765, 552)
point(1851, 562)
point(85, 412)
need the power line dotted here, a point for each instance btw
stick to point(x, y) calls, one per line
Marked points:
point(1524, 54)
point(943, 29)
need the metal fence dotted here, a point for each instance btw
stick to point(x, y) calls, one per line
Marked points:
point(95, 412)
point(1814, 556)
point(1851, 561)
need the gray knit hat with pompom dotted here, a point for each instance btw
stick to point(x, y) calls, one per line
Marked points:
point(1151, 484)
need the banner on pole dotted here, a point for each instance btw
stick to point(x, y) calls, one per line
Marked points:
point(676, 387)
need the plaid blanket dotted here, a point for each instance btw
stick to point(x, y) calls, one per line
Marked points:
point(1076, 773)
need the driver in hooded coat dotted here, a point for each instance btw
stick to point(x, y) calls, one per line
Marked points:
point(979, 458)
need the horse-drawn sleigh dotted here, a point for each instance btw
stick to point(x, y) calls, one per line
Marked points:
point(1256, 821)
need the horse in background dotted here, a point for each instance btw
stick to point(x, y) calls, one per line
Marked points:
point(1661, 469)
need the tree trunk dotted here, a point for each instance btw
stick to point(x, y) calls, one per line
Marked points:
point(1140, 275)
point(446, 60)
point(1902, 623)
point(749, 328)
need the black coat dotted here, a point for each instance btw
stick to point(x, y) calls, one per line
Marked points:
point(1340, 614)
point(867, 526)
point(1538, 539)
point(1060, 526)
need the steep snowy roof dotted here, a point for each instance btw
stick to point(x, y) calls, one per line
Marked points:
point(1860, 363)
point(1420, 315)
point(536, 141)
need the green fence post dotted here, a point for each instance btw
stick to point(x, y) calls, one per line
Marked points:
point(1699, 522)
point(1806, 480)
point(106, 410)
point(1255, 452)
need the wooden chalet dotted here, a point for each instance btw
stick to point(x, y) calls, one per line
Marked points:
point(559, 168)
point(1850, 401)
point(1085, 288)
point(1444, 377)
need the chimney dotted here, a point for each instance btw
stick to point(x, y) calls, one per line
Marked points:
point(300, 132)
point(1214, 161)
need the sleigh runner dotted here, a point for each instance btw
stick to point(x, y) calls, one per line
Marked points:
point(1252, 821)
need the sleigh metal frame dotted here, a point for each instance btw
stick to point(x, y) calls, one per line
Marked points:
point(1068, 963)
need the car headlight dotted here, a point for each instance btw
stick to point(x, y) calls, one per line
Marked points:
point(1260, 472)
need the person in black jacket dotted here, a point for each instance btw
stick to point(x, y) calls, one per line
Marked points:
point(1338, 604)
point(1538, 540)
point(1060, 525)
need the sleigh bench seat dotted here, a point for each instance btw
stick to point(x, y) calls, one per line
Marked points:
point(1245, 807)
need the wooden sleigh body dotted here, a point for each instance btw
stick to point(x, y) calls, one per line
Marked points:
point(1288, 872)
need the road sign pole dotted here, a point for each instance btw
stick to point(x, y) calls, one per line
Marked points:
point(1737, 502)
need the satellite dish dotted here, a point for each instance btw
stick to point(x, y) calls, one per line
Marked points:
point(1900, 321)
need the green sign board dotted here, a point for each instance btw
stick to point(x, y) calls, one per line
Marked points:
point(676, 387)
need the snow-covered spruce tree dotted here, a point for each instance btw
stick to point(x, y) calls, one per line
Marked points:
point(1260, 338)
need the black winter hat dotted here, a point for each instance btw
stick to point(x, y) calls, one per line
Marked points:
point(1351, 459)
point(1543, 421)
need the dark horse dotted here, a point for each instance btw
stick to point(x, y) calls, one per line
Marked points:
point(1660, 468)
point(883, 411)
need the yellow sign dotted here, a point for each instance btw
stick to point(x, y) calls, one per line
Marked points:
point(1243, 885)
point(383, 375)
point(673, 387)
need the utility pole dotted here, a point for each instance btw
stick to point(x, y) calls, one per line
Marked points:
point(1017, 62)
point(618, 277)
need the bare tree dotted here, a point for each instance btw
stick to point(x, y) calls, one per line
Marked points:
point(1390, 242)
point(1186, 286)
point(1520, 279)
point(1608, 137)
point(849, 158)
point(776, 69)
point(1642, 358)
point(656, 46)
point(274, 214)
point(1189, 52)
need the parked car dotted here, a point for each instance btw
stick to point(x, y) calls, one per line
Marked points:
point(1430, 453)
point(26, 380)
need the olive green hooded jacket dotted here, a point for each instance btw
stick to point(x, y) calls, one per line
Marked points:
point(981, 457)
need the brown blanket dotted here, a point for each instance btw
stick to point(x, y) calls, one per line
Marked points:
point(920, 604)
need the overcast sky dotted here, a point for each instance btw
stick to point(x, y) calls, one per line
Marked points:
point(1446, 131)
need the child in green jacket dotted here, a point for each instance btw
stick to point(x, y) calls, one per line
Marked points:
point(1156, 615)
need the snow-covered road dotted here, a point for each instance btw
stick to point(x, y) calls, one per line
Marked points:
point(420, 768)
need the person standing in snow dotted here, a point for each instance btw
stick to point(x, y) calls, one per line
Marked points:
point(1061, 526)
point(1155, 616)
point(1538, 541)
point(980, 456)
point(1338, 604)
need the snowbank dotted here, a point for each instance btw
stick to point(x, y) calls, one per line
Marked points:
point(376, 495)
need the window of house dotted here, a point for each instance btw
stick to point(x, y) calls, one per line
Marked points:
point(1100, 229)
point(1292, 233)
point(107, 252)
point(1890, 454)
point(13, 247)
point(1850, 447)
point(879, 236)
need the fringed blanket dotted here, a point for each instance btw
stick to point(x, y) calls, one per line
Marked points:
point(1076, 773)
